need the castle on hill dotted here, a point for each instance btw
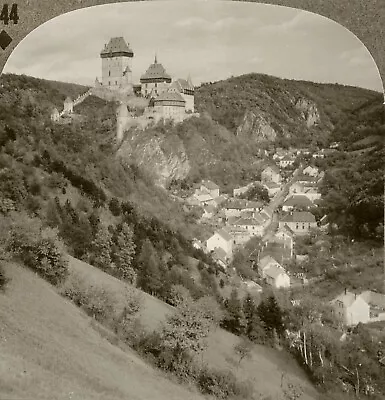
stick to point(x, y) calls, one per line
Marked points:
point(167, 98)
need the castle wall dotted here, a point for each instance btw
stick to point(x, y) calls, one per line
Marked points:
point(112, 71)
point(189, 99)
point(157, 87)
point(175, 113)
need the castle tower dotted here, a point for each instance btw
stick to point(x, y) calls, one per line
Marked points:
point(155, 80)
point(116, 64)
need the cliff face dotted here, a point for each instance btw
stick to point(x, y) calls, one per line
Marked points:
point(163, 157)
point(256, 127)
point(309, 111)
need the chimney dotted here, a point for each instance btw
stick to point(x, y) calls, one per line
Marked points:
point(355, 296)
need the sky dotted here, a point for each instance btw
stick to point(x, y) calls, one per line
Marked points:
point(210, 40)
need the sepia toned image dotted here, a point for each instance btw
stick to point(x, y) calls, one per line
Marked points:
point(191, 206)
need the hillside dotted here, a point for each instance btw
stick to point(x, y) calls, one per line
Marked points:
point(89, 366)
point(266, 108)
point(49, 350)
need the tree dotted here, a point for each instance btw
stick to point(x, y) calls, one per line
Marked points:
point(101, 247)
point(243, 348)
point(234, 320)
point(271, 314)
point(186, 329)
point(125, 253)
point(149, 277)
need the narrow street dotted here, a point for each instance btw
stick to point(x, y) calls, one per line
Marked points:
point(277, 200)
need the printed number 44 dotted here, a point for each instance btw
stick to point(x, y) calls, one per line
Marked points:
point(7, 15)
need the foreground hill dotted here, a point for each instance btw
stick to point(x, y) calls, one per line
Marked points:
point(264, 369)
point(49, 350)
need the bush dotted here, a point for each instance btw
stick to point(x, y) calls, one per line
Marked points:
point(222, 384)
point(3, 279)
point(38, 248)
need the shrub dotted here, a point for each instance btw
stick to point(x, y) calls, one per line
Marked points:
point(3, 279)
point(222, 384)
point(37, 247)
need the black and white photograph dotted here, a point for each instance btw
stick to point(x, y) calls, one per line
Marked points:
point(191, 206)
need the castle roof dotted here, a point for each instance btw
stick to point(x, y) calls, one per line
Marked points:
point(298, 201)
point(155, 72)
point(117, 46)
point(170, 96)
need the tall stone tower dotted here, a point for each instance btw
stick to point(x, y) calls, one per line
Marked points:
point(116, 64)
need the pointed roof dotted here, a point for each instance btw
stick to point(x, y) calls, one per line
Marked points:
point(263, 262)
point(155, 71)
point(68, 100)
point(185, 84)
point(117, 46)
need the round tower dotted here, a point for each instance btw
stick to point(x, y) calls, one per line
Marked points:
point(116, 63)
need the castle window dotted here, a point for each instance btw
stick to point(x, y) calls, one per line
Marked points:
point(156, 85)
point(116, 82)
point(109, 73)
point(109, 83)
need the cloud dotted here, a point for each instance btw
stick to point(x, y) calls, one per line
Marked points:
point(359, 56)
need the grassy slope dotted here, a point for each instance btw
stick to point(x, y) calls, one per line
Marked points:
point(50, 351)
point(265, 367)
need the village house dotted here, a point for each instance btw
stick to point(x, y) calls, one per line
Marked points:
point(251, 285)
point(312, 194)
point(311, 171)
point(272, 188)
point(208, 212)
point(351, 309)
point(221, 239)
point(240, 235)
point(300, 222)
point(271, 174)
point(203, 198)
point(279, 154)
point(210, 187)
point(220, 256)
point(285, 233)
point(297, 187)
point(243, 189)
point(297, 202)
point(277, 277)
point(264, 263)
point(235, 207)
point(251, 225)
point(376, 303)
point(286, 161)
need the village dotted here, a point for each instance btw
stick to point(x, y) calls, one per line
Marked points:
point(292, 185)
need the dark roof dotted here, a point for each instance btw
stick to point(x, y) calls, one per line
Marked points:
point(116, 46)
point(299, 216)
point(209, 184)
point(170, 96)
point(298, 200)
point(274, 168)
point(155, 71)
point(224, 234)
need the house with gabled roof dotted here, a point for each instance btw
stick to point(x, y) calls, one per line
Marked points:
point(297, 202)
point(271, 174)
point(300, 222)
point(311, 171)
point(251, 225)
point(351, 309)
point(277, 277)
point(220, 256)
point(221, 239)
point(264, 263)
point(210, 187)
point(376, 303)
point(284, 232)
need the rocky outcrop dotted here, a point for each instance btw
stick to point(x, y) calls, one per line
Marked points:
point(309, 111)
point(255, 126)
point(163, 157)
